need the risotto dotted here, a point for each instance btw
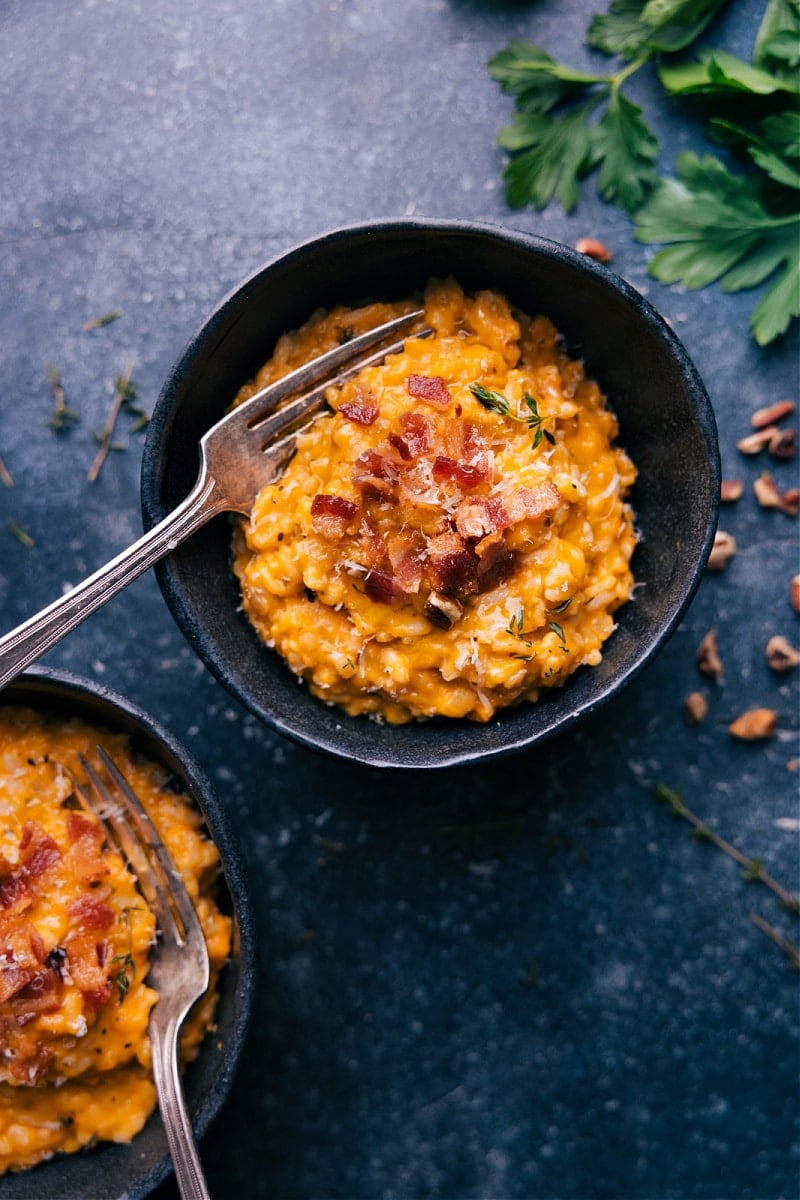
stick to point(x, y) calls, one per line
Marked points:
point(75, 937)
point(453, 537)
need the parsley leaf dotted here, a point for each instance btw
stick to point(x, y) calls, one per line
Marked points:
point(621, 30)
point(557, 153)
point(675, 24)
point(718, 73)
point(717, 227)
point(777, 47)
point(628, 150)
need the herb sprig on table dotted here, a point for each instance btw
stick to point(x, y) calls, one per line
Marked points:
point(737, 224)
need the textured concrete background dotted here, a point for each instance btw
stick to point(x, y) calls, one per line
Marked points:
point(525, 980)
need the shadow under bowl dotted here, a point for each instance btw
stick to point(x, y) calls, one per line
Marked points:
point(666, 425)
point(111, 1171)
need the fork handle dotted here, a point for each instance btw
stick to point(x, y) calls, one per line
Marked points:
point(20, 647)
point(182, 1147)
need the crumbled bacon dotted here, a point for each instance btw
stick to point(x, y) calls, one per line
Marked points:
point(451, 564)
point(382, 586)
point(32, 1068)
point(466, 474)
point(374, 474)
point(41, 995)
point(406, 558)
point(416, 433)
point(495, 561)
point(85, 855)
point(89, 912)
point(86, 957)
point(359, 411)
point(21, 955)
point(430, 388)
point(38, 851)
point(330, 515)
point(372, 548)
point(14, 892)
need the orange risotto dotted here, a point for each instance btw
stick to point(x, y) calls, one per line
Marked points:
point(453, 537)
point(75, 937)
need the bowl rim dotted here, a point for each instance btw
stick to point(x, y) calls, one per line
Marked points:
point(206, 331)
point(34, 689)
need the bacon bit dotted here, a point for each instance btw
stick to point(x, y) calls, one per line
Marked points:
point(374, 475)
point(592, 248)
point(89, 912)
point(382, 586)
point(794, 593)
point(722, 551)
point(372, 547)
point(707, 656)
point(14, 893)
point(21, 955)
point(452, 564)
point(330, 515)
point(775, 412)
point(430, 388)
point(755, 442)
point(416, 433)
point(468, 475)
point(38, 851)
point(31, 1068)
point(695, 708)
point(97, 998)
point(495, 561)
point(442, 610)
point(85, 855)
point(84, 955)
point(40, 995)
point(473, 519)
point(731, 490)
point(783, 443)
point(359, 411)
point(756, 724)
point(781, 654)
point(406, 558)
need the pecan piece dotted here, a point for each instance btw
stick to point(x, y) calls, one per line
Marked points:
point(794, 593)
point(707, 656)
point(695, 708)
point(754, 442)
point(594, 249)
point(756, 724)
point(773, 413)
point(781, 654)
point(441, 610)
point(722, 551)
point(766, 491)
point(731, 490)
point(783, 443)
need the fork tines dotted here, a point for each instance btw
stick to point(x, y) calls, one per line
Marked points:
point(129, 828)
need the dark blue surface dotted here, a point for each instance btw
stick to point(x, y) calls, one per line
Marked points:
point(517, 981)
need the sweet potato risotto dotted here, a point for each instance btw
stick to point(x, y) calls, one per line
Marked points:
point(454, 536)
point(75, 936)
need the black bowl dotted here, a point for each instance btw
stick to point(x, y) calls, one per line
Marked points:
point(667, 426)
point(130, 1172)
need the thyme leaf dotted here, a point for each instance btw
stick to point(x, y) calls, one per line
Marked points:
point(496, 402)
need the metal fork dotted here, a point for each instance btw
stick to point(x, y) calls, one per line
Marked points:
point(179, 962)
point(240, 455)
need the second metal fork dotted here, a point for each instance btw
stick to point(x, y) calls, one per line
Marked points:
point(240, 455)
point(179, 969)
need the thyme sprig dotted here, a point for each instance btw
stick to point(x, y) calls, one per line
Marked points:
point(127, 972)
point(496, 402)
point(101, 321)
point(752, 869)
point(19, 533)
point(125, 391)
point(63, 417)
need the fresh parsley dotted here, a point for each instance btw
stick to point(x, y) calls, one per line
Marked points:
point(736, 222)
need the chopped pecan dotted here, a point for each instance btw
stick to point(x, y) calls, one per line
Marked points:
point(783, 443)
point(790, 502)
point(794, 593)
point(442, 610)
point(695, 708)
point(722, 551)
point(594, 249)
point(781, 654)
point(766, 491)
point(731, 490)
point(707, 656)
point(775, 412)
point(756, 724)
point(755, 442)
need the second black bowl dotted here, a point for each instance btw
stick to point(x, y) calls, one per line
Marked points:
point(666, 425)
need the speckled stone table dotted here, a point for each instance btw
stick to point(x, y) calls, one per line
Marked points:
point(524, 980)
